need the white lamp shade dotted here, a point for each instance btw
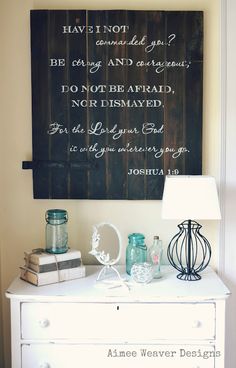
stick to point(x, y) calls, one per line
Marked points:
point(192, 197)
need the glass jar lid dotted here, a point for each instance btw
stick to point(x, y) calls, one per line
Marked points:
point(56, 214)
point(136, 238)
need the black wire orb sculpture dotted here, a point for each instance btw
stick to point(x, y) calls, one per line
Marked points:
point(189, 252)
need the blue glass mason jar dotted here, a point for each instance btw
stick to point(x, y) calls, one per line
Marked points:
point(136, 251)
point(56, 231)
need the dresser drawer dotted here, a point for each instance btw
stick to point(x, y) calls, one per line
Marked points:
point(116, 356)
point(124, 321)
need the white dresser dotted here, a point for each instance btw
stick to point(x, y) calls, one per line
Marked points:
point(167, 323)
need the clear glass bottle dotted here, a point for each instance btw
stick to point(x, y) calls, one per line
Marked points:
point(155, 256)
point(56, 231)
point(136, 251)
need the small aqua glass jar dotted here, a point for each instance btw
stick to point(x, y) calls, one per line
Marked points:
point(56, 231)
point(136, 251)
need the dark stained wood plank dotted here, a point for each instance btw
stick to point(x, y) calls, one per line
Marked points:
point(185, 113)
point(116, 117)
point(155, 117)
point(193, 164)
point(57, 49)
point(97, 185)
point(136, 115)
point(194, 91)
point(40, 101)
point(175, 103)
point(77, 82)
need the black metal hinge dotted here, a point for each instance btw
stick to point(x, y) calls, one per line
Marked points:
point(39, 164)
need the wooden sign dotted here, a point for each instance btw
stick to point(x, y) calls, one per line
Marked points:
point(116, 101)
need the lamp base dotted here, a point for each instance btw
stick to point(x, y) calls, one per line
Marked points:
point(189, 252)
point(184, 275)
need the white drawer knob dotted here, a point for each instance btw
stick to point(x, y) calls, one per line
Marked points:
point(196, 324)
point(44, 365)
point(44, 323)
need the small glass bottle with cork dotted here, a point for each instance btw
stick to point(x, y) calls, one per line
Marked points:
point(155, 256)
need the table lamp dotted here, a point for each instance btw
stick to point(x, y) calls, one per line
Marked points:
point(189, 198)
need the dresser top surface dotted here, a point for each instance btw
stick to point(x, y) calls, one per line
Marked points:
point(168, 288)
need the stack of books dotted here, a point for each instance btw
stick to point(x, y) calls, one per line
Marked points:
point(43, 268)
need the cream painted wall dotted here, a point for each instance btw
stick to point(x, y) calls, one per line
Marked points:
point(228, 268)
point(22, 225)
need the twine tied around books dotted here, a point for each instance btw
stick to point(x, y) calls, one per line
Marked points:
point(40, 251)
